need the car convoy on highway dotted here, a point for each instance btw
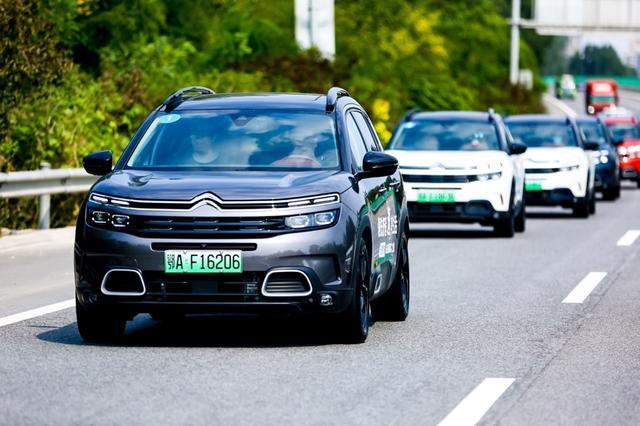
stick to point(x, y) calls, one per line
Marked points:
point(288, 203)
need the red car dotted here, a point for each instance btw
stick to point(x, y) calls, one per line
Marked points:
point(625, 133)
point(599, 95)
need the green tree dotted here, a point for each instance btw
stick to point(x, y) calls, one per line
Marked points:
point(599, 60)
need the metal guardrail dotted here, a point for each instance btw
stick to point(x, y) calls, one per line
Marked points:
point(43, 183)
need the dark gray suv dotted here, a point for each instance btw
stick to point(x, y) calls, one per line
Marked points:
point(244, 203)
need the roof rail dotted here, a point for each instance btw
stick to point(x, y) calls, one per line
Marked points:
point(492, 115)
point(177, 97)
point(409, 114)
point(333, 95)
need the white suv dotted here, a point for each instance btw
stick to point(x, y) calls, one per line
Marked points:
point(558, 169)
point(461, 167)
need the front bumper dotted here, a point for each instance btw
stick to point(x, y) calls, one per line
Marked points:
point(475, 211)
point(324, 256)
point(494, 193)
point(629, 167)
point(573, 181)
point(606, 176)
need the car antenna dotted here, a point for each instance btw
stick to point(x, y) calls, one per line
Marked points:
point(410, 114)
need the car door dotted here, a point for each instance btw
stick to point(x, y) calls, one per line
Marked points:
point(384, 208)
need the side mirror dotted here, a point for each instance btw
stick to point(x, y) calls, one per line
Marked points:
point(98, 163)
point(591, 146)
point(518, 148)
point(377, 164)
point(617, 141)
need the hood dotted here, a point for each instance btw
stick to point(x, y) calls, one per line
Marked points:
point(451, 161)
point(555, 157)
point(630, 142)
point(227, 185)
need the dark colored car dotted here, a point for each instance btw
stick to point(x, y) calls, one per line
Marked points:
point(607, 161)
point(245, 203)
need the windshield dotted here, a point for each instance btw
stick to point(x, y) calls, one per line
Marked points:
point(446, 135)
point(621, 132)
point(603, 99)
point(593, 132)
point(541, 134)
point(238, 140)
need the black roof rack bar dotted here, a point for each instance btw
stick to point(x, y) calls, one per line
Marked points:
point(409, 114)
point(333, 95)
point(492, 115)
point(178, 96)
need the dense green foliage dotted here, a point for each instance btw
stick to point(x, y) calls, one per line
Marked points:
point(97, 67)
point(599, 60)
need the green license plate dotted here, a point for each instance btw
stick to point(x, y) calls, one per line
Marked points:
point(202, 262)
point(436, 197)
point(533, 186)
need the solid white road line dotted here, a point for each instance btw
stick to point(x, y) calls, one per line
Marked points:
point(471, 409)
point(12, 319)
point(628, 238)
point(584, 287)
point(560, 105)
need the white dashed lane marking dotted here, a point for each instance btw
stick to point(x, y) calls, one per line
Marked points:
point(585, 287)
point(471, 409)
point(628, 238)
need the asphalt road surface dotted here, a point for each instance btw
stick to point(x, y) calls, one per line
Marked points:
point(539, 329)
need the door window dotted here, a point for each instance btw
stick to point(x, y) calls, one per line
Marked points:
point(356, 143)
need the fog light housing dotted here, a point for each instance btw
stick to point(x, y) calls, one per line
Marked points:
point(100, 217)
point(326, 300)
point(119, 220)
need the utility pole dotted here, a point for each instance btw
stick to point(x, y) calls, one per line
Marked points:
point(514, 63)
point(315, 26)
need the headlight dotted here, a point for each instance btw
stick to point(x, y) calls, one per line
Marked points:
point(103, 199)
point(604, 159)
point(489, 176)
point(568, 168)
point(312, 220)
point(622, 150)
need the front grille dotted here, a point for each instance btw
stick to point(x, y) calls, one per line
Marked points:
point(199, 227)
point(439, 178)
point(547, 170)
point(202, 287)
point(204, 246)
point(435, 209)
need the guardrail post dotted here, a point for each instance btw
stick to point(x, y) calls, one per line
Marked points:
point(44, 206)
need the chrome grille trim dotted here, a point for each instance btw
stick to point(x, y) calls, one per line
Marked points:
point(216, 202)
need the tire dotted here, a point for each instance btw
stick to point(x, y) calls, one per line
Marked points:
point(521, 218)
point(592, 203)
point(638, 182)
point(617, 191)
point(506, 226)
point(394, 304)
point(581, 208)
point(611, 193)
point(96, 326)
point(358, 314)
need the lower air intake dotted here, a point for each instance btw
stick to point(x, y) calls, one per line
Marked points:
point(286, 283)
point(123, 282)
